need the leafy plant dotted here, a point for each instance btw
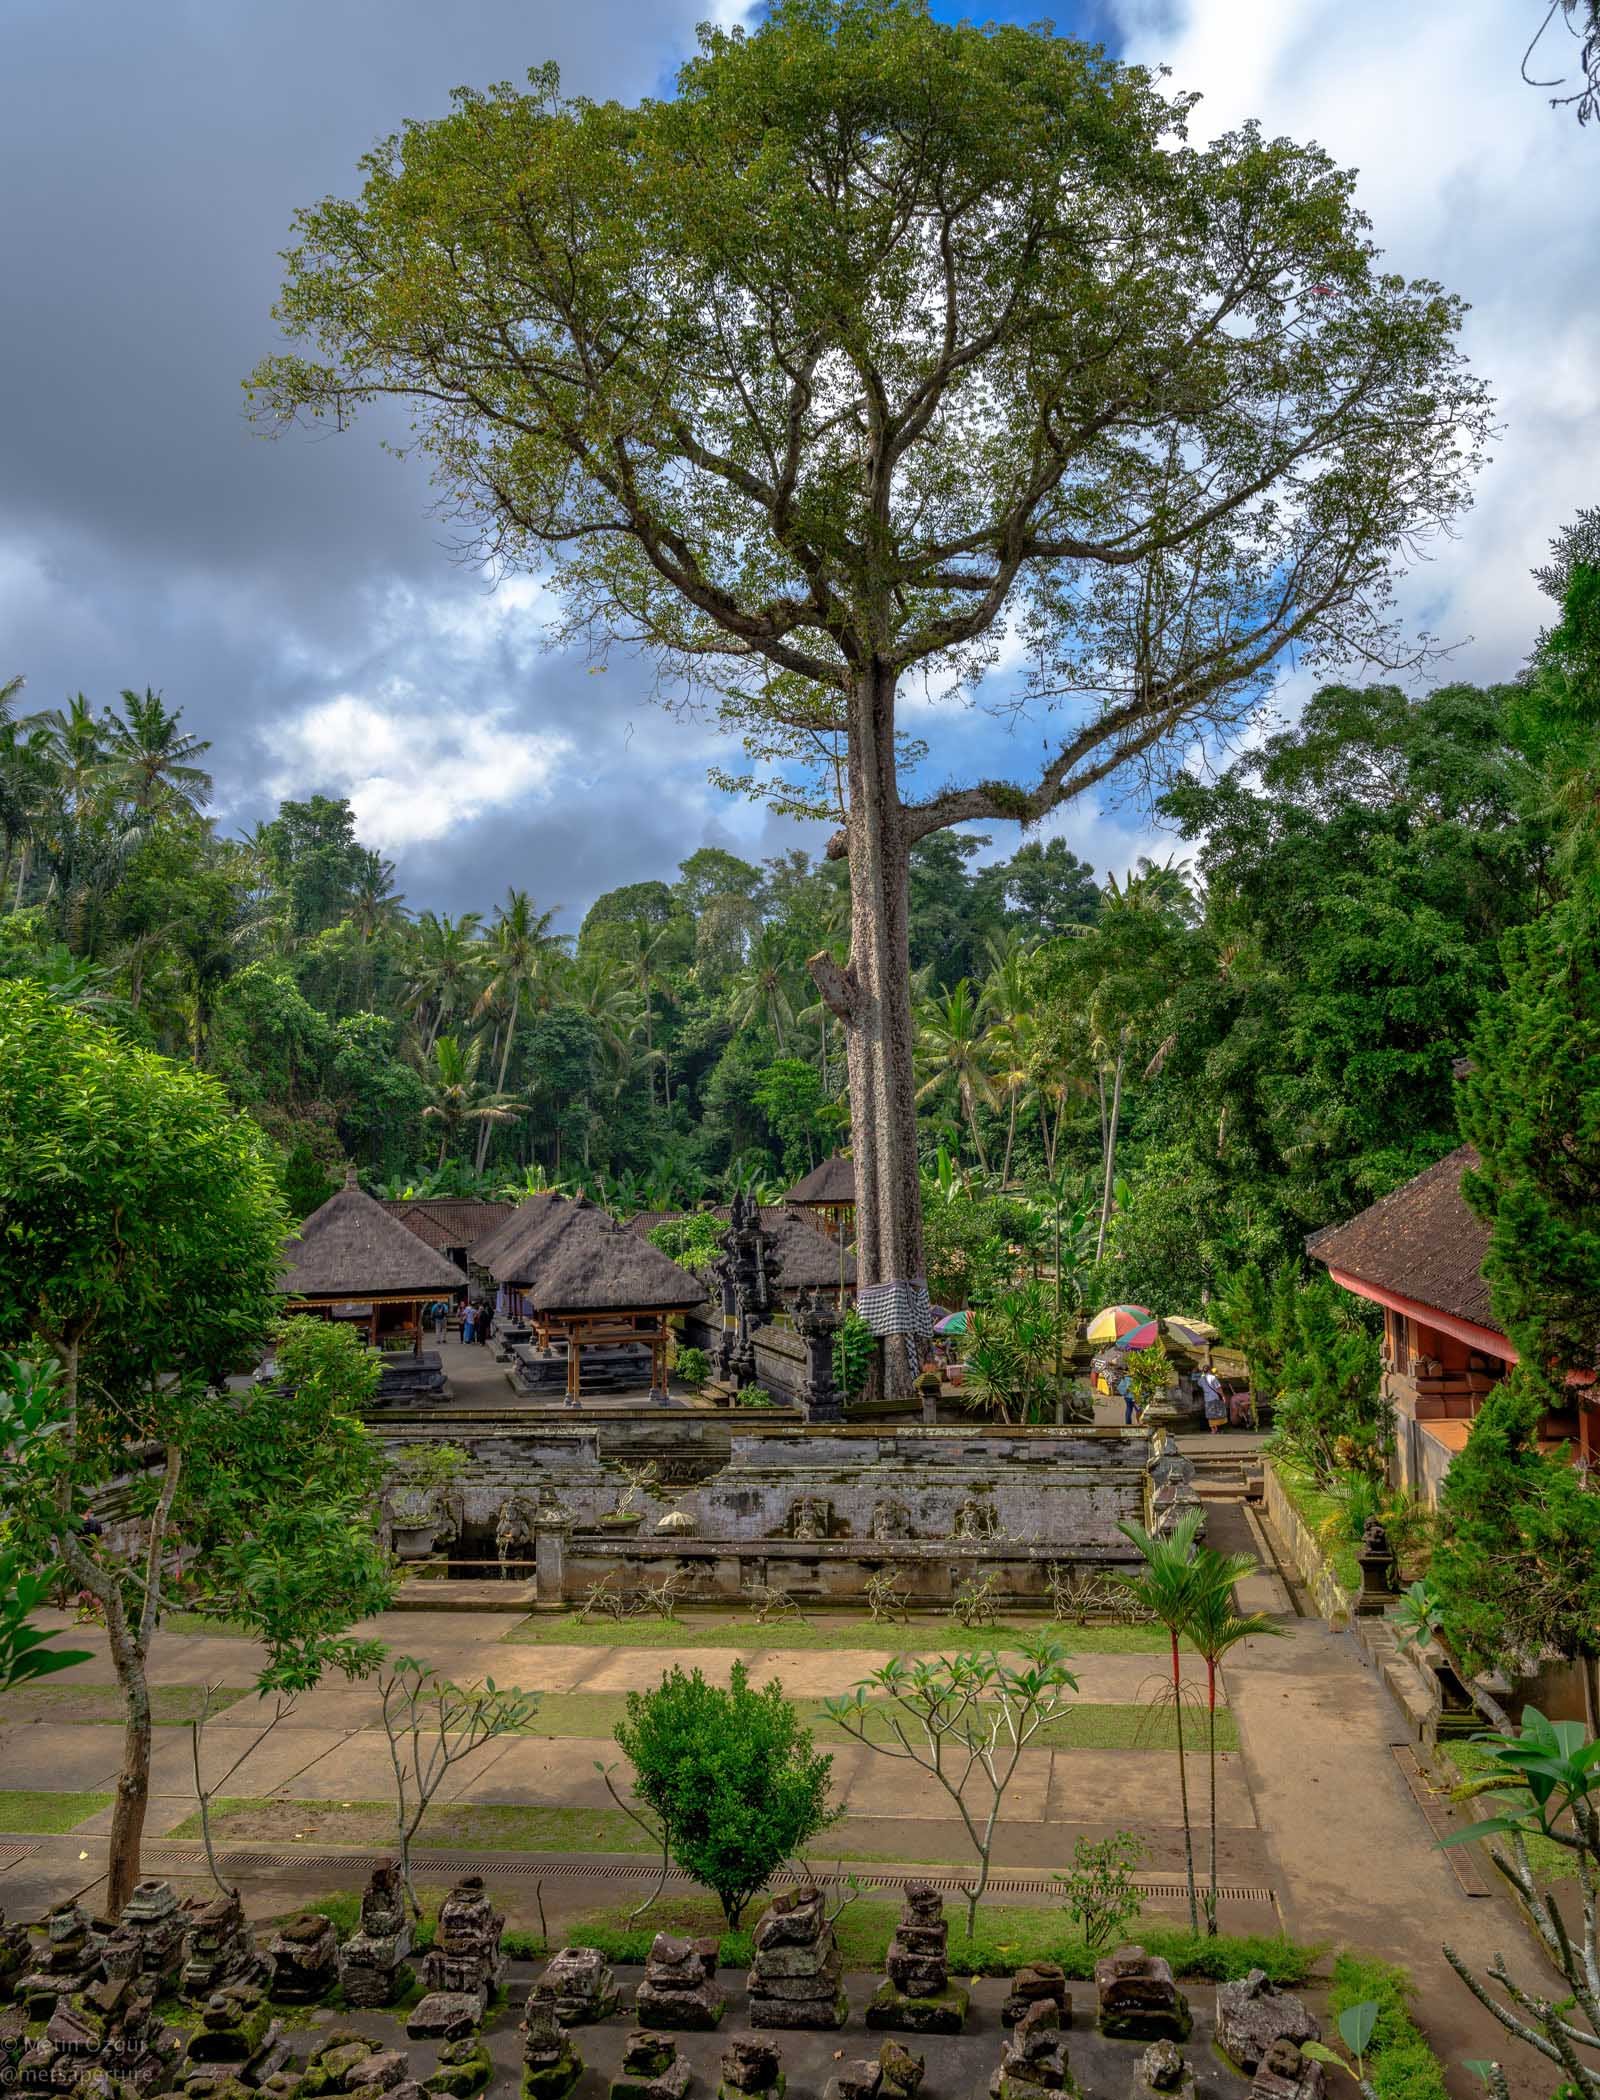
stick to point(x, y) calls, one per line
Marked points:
point(1150, 1372)
point(1098, 1893)
point(1014, 1349)
point(732, 1778)
point(693, 1367)
point(1417, 1616)
point(755, 1396)
point(853, 1346)
point(693, 1241)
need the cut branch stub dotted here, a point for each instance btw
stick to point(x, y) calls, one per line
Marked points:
point(839, 988)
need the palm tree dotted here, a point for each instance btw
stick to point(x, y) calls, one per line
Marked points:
point(643, 953)
point(74, 744)
point(951, 1041)
point(375, 903)
point(150, 759)
point(1167, 1590)
point(761, 990)
point(444, 962)
point(1215, 1624)
point(1007, 1004)
point(456, 1096)
point(520, 945)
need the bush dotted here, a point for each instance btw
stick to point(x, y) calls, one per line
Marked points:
point(693, 1367)
point(755, 1396)
point(732, 1776)
point(1018, 1351)
point(853, 1344)
point(1400, 2065)
point(1098, 1893)
point(692, 1241)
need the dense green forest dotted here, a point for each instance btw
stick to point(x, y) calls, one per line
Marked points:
point(1241, 1042)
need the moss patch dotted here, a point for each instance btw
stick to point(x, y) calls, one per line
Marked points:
point(926, 1636)
point(31, 1810)
point(1399, 2063)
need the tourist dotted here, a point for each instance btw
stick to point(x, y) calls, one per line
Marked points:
point(1130, 1406)
point(441, 1316)
point(468, 1317)
point(485, 1325)
point(1216, 1401)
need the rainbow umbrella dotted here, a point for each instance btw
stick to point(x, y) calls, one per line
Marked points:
point(1114, 1323)
point(952, 1323)
point(1192, 1334)
point(1144, 1336)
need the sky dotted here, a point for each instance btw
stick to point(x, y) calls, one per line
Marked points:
point(298, 601)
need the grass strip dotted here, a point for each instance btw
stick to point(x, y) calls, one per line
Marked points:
point(30, 1810)
point(1314, 1506)
point(1550, 1862)
point(1399, 2063)
point(171, 1705)
point(833, 1634)
point(1085, 1725)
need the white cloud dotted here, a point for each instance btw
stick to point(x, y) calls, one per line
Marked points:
point(413, 771)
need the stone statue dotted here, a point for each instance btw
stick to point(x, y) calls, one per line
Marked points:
point(747, 1270)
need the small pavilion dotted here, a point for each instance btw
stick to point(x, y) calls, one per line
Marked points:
point(828, 1195)
point(351, 1260)
point(579, 1279)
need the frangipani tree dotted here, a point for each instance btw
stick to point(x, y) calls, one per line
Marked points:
point(882, 340)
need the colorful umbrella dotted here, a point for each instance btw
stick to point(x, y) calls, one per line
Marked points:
point(1190, 1334)
point(1116, 1322)
point(1144, 1336)
point(952, 1323)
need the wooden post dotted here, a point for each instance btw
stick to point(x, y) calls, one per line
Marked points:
point(574, 1374)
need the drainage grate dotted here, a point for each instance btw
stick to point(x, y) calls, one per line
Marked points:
point(177, 1857)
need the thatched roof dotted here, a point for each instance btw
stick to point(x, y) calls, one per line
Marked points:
point(807, 1258)
point(449, 1221)
point(827, 1186)
point(566, 1255)
point(1421, 1241)
point(351, 1249)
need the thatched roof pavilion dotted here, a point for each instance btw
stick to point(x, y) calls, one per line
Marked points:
point(352, 1254)
point(566, 1266)
point(829, 1192)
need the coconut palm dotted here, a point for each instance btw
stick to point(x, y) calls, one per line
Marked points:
point(442, 969)
point(1168, 1589)
point(518, 953)
point(456, 1095)
point(951, 1047)
point(643, 949)
point(150, 758)
point(761, 990)
point(375, 903)
point(1214, 1626)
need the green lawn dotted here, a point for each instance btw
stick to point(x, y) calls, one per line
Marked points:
point(925, 1636)
point(203, 1622)
point(28, 1809)
point(171, 1705)
point(1085, 1725)
point(1315, 1506)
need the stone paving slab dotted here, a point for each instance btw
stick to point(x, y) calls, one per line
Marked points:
point(273, 1764)
point(60, 1757)
point(1136, 1789)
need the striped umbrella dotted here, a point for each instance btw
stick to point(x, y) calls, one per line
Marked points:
point(1114, 1323)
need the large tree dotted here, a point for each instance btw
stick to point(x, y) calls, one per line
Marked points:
point(882, 337)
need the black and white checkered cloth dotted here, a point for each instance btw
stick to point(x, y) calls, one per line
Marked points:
point(898, 1308)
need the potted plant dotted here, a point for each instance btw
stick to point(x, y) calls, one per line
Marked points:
point(637, 1481)
point(421, 1507)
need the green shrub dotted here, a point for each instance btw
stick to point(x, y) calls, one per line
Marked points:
point(693, 1367)
point(692, 1241)
point(755, 1396)
point(1400, 2065)
point(853, 1344)
point(732, 1776)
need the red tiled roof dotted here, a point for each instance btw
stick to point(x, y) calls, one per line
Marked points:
point(1422, 1241)
point(449, 1221)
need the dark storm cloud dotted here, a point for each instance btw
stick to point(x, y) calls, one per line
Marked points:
point(152, 158)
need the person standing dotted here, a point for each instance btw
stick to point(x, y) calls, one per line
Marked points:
point(485, 1325)
point(468, 1321)
point(441, 1314)
point(1214, 1399)
point(1130, 1406)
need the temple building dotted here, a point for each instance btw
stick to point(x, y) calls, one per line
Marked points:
point(351, 1260)
point(828, 1195)
point(451, 1225)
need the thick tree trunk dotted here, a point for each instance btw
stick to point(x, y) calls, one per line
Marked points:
point(878, 1032)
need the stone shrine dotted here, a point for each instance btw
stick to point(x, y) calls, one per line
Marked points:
point(304, 1954)
point(551, 2067)
point(1139, 2002)
point(751, 2070)
point(462, 1970)
point(347, 2062)
point(578, 1988)
point(218, 1946)
point(817, 1319)
point(237, 2030)
point(1164, 2071)
point(1285, 2074)
point(652, 2069)
point(1252, 2014)
point(464, 2068)
point(1033, 2062)
point(1034, 1981)
point(372, 1962)
point(794, 1979)
point(148, 1937)
point(917, 1996)
point(679, 1988)
point(68, 1961)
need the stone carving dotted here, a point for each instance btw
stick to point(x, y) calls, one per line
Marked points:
point(817, 1320)
point(551, 2067)
point(917, 1996)
point(304, 1953)
point(977, 1520)
point(577, 1988)
point(464, 2068)
point(751, 2070)
point(1033, 1983)
point(811, 1517)
point(237, 2032)
point(149, 1936)
point(109, 2025)
point(1285, 2074)
point(652, 2069)
point(1253, 2013)
point(891, 1520)
point(1033, 2061)
point(1139, 2002)
point(679, 1988)
point(68, 1960)
point(372, 1962)
point(463, 1968)
point(747, 1270)
point(218, 1946)
point(1164, 2070)
point(794, 1979)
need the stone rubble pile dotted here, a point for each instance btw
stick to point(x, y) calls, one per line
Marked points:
point(372, 1962)
point(1033, 2062)
point(578, 1988)
point(1285, 2074)
point(462, 1970)
point(1164, 2074)
point(551, 2067)
point(304, 1956)
point(1252, 2014)
point(218, 1946)
point(917, 1996)
point(1139, 2002)
point(751, 2070)
point(795, 1977)
point(652, 2069)
point(679, 1988)
point(1033, 1982)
